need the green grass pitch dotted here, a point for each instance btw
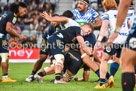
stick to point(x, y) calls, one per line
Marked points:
point(19, 71)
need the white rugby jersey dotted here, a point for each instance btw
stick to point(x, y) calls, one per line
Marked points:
point(111, 16)
point(86, 17)
point(130, 16)
point(71, 23)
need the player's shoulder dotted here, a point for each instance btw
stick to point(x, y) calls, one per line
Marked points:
point(90, 10)
point(11, 14)
point(90, 36)
point(75, 11)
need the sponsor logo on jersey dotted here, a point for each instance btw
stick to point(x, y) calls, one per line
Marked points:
point(123, 34)
point(60, 35)
point(132, 42)
point(1, 35)
point(14, 20)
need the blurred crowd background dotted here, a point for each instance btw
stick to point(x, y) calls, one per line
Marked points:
point(33, 25)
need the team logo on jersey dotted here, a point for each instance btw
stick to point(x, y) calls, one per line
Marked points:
point(108, 49)
point(81, 32)
point(14, 20)
point(132, 42)
point(1, 35)
point(60, 35)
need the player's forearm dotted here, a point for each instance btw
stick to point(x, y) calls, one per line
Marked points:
point(103, 30)
point(97, 23)
point(122, 12)
point(12, 32)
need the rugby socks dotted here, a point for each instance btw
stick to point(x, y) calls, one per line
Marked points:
point(57, 76)
point(128, 81)
point(33, 72)
point(102, 81)
point(135, 69)
point(98, 73)
point(43, 73)
point(114, 68)
point(5, 75)
point(107, 75)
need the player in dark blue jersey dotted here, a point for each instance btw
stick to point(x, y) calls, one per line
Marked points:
point(55, 44)
point(7, 22)
point(54, 27)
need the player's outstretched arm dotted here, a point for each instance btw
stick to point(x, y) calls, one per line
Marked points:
point(12, 31)
point(54, 19)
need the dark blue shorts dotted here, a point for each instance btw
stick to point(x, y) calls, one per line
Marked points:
point(115, 49)
point(131, 42)
point(4, 45)
point(73, 61)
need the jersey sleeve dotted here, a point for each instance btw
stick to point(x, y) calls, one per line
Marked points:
point(104, 16)
point(94, 15)
point(12, 18)
point(79, 32)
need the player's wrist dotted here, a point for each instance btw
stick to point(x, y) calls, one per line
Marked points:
point(117, 29)
point(99, 39)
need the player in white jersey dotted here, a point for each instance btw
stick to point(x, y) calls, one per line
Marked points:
point(84, 14)
point(116, 61)
point(128, 57)
point(66, 21)
point(109, 21)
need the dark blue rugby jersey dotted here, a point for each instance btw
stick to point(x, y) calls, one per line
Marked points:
point(69, 34)
point(90, 40)
point(7, 17)
point(49, 32)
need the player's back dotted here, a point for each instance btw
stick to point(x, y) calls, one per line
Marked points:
point(69, 34)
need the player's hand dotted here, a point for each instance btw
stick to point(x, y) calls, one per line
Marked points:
point(112, 38)
point(98, 45)
point(22, 38)
point(45, 15)
point(78, 79)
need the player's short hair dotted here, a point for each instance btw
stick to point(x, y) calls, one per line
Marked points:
point(14, 7)
point(109, 4)
point(90, 25)
point(68, 14)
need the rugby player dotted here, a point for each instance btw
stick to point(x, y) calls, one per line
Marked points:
point(7, 22)
point(128, 56)
point(73, 62)
point(84, 14)
point(108, 21)
point(52, 29)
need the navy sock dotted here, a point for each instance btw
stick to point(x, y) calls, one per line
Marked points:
point(107, 75)
point(98, 73)
point(5, 74)
point(33, 72)
point(102, 81)
point(114, 68)
point(135, 69)
point(128, 81)
point(43, 73)
point(57, 76)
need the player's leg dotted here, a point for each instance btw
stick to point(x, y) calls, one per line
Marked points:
point(128, 62)
point(36, 67)
point(46, 71)
point(114, 66)
point(86, 59)
point(58, 67)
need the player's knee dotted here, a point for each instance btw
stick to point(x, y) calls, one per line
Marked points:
point(4, 57)
point(59, 59)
